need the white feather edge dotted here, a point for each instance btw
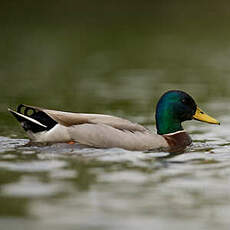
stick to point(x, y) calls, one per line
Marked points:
point(28, 118)
point(170, 134)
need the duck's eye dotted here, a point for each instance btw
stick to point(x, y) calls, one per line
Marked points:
point(184, 101)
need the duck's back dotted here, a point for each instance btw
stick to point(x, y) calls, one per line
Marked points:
point(103, 131)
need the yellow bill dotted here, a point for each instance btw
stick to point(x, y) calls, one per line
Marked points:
point(202, 116)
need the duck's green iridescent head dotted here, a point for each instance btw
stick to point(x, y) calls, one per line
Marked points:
point(173, 108)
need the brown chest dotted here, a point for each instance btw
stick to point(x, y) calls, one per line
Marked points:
point(178, 141)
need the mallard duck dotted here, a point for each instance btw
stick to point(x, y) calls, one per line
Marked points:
point(105, 131)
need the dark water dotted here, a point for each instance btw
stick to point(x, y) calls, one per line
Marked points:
point(114, 58)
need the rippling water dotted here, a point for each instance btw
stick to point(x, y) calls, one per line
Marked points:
point(61, 186)
point(114, 59)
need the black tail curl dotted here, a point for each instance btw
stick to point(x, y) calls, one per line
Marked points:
point(46, 121)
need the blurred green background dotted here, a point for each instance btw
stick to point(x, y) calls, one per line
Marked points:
point(111, 55)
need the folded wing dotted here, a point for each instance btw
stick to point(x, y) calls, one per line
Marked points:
point(95, 130)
